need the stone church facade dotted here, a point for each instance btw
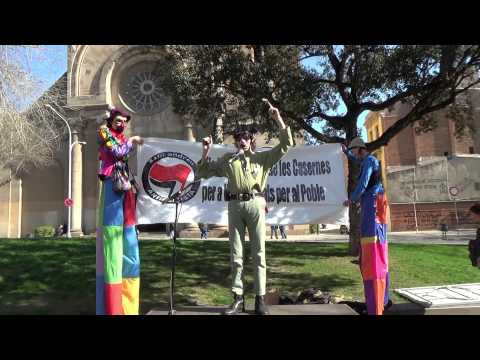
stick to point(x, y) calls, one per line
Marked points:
point(124, 76)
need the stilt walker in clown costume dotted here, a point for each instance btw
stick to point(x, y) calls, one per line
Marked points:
point(118, 262)
point(373, 243)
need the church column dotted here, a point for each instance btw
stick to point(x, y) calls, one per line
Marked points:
point(189, 230)
point(77, 183)
point(215, 230)
point(15, 208)
point(189, 136)
point(218, 136)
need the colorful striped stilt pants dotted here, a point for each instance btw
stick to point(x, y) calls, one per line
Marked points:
point(374, 251)
point(118, 262)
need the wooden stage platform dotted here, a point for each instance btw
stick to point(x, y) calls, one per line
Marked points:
point(310, 309)
point(322, 309)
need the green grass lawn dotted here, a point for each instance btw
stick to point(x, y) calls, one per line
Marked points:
point(58, 276)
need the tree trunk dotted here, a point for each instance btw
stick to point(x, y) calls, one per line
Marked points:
point(354, 239)
point(354, 211)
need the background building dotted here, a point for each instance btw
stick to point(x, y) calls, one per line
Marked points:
point(420, 169)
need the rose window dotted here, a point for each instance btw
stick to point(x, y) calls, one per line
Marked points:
point(142, 93)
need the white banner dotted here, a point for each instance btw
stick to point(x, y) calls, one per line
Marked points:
point(306, 187)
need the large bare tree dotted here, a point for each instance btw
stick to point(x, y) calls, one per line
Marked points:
point(30, 134)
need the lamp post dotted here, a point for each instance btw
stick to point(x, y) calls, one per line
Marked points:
point(70, 146)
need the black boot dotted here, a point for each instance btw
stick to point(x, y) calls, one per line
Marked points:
point(260, 307)
point(237, 306)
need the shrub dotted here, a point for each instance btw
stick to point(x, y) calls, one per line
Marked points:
point(44, 231)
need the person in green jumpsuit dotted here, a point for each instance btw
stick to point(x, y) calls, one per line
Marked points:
point(247, 174)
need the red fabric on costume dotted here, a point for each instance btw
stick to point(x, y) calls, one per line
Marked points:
point(113, 299)
point(129, 211)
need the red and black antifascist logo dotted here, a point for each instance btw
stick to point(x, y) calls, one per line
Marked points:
point(168, 173)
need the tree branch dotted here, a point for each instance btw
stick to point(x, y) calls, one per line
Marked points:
point(414, 115)
point(319, 136)
point(336, 121)
point(338, 67)
point(324, 81)
point(369, 105)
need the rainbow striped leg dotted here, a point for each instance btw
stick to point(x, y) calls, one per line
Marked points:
point(131, 259)
point(374, 252)
point(118, 265)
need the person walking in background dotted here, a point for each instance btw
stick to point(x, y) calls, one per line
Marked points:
point(171, 231)
point(203, 231)
point(273, 229)
point(474, 245)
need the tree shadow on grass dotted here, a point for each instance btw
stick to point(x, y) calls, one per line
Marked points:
point(292, 282)
point(206, 265)
point(54, 276)
point(284, 262)
point(57, 276)
point(307, 250)
point(198, 265)
point(51, 304)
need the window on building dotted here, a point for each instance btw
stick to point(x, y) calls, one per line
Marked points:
point(471, 150)
point(377, 132)
point(371, 136)
point(477, 186)
point(445, 153)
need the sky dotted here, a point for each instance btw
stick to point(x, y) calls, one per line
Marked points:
point(51, 63)
point(311, 63)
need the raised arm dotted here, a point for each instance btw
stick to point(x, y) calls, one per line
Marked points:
point(367, 170)
point(271, 157)
point(207, 169)
point(286, 140)
point(349, 154)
